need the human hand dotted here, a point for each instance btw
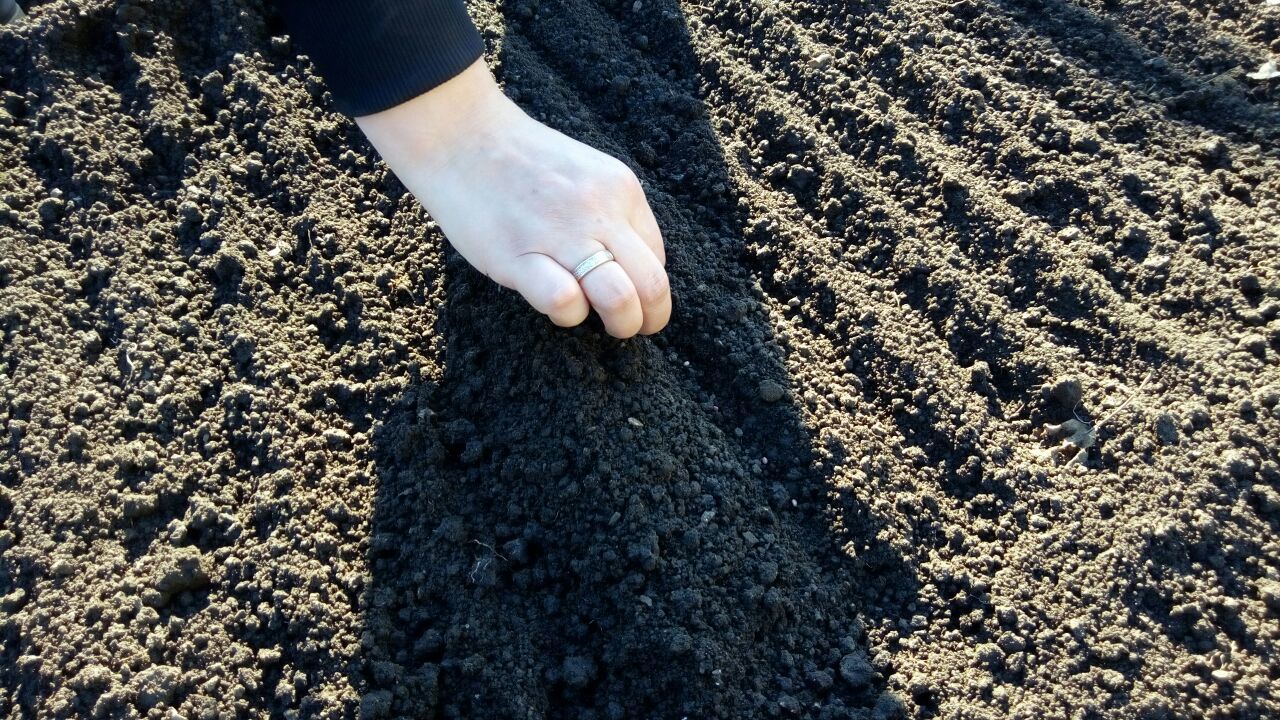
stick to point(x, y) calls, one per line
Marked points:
point(524, 204)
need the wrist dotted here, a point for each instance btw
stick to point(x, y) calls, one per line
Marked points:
point(420, 136)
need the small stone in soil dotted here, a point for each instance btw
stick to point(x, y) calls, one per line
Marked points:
point(1167, 429)
point(156, 685)
point(771, 391)
point(1253, 344)
point(578, 670)
point(855, 670)
point(375, 705)
point(1239, 466)
point(138, 505)
point(1068, 392)
point(337, 437)
point(183, 573)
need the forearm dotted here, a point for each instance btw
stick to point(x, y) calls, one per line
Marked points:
point(427, 131)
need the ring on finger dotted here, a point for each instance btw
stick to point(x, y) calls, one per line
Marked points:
point(591, 263)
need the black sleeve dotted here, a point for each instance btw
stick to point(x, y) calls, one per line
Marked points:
point(380, 53)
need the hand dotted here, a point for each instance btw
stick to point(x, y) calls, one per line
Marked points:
point(524, 204)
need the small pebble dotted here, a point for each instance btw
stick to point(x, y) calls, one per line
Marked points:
point(1067, 392)
point(767, 572)
point(13, 601)
point(855, 670)
point(578, 670)
point(1269, 591)
point(376, 704)
point(337, 437)
point(820, 61)
point(228, 265)
point(1239, 466)
point(138, 505)
point(800, 177)
point(1212, 152)
point(1011, 643)
point(1253, 344)
point(156, 685)
point(183, 572)
point(1167, 429)
point(1157, 263)
point(1112, 679)
point(771, 391)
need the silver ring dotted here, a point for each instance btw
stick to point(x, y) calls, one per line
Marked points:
point(591, 263)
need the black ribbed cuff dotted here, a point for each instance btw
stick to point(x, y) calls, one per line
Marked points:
point(375, 55)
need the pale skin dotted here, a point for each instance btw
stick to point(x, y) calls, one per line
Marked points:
point(524, 204)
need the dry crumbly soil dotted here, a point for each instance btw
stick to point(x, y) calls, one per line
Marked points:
point(272, 449)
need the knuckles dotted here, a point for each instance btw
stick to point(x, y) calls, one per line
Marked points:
point(629, 183)
point(574, 205)
point(612, 301)
point(613, 182)
point(564, 299)
point(653, 287)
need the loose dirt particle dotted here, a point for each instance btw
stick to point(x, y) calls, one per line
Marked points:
point(156, 685)
point(771, 391)
point(855, 670)
point(1068, 392)
point(337, 437)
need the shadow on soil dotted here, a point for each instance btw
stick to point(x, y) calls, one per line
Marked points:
point(572, 526)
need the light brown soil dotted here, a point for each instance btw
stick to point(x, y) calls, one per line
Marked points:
point(272, 449)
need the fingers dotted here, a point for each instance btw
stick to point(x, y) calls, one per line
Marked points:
point(647, 276)
point(549, 288)
point(613, 295)
point(632, 294)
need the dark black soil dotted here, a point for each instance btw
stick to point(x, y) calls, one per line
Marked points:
point(272, 449)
